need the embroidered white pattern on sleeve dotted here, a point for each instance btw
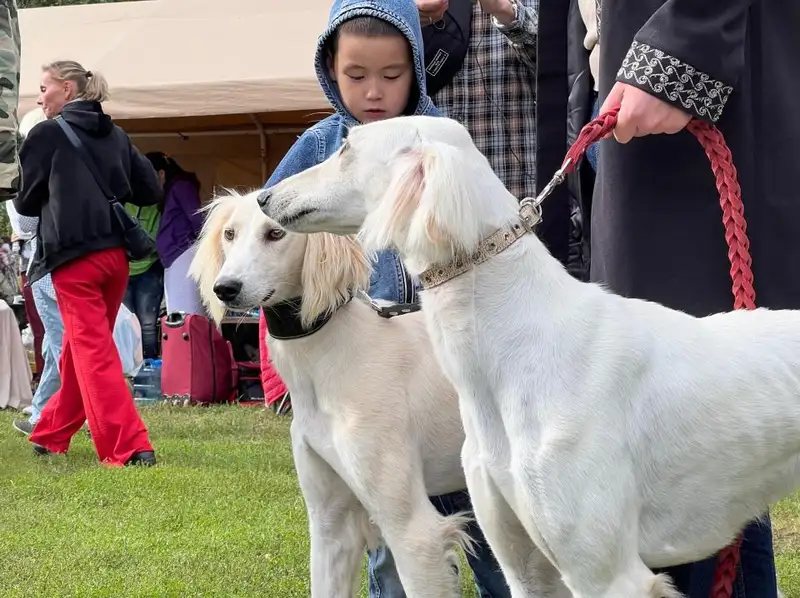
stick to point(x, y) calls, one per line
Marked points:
point(674, 80)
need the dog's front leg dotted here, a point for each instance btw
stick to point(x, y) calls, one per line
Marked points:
point(337, 523)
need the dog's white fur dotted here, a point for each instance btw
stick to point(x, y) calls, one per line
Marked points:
point(617, 433)
point(376, 428)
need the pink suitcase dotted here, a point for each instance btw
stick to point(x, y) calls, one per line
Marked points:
point(198, 365)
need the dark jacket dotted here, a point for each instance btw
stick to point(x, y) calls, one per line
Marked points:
point(656, 221)
point(75, 216)
point(564, 99)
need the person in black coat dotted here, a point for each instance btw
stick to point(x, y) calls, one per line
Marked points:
point(656, 224)
point(82, 247)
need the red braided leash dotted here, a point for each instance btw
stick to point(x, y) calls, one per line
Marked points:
point(730, 199)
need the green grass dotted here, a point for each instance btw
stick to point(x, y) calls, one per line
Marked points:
point(221, 516)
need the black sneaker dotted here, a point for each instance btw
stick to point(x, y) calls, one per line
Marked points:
point(23, 425)
point(40, 451)
point(142, 459)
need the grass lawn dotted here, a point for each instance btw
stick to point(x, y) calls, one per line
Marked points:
point(221, 515)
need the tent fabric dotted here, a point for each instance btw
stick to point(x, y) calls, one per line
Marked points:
point(169, 59)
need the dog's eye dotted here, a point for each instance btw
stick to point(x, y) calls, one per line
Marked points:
point(275, 234)
point(229, 234)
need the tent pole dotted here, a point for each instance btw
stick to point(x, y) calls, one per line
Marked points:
point(263, 137)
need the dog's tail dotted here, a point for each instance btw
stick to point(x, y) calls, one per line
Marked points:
point(662, 587)
point(454, 532)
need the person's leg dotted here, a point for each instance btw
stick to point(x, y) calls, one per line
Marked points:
point(179, 289)
point(384, 582)
point(117, 430)
point(50, 380)
point(131, 293)
point(149, 294)
point(89, 292)
point(756, 576)
point(63, 415)
point(35, 321)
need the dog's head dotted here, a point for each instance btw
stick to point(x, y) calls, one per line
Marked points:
point(415, 184)
point(245, 259)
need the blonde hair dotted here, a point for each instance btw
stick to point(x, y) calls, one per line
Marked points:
point(90, 86)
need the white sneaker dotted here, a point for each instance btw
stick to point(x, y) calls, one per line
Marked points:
point(28, 410)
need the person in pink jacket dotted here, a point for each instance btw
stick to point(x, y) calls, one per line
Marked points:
point(274, 389)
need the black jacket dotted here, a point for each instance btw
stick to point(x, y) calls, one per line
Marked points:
point(656, 221)
point(564, 101)
point(75, 216)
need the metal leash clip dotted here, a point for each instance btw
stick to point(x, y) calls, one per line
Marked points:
point(530, 208)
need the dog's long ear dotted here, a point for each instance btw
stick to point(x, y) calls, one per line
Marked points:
point(333, 267)
point(399, 203)
point(429, 201)
point(445, 213)
point(208, 259)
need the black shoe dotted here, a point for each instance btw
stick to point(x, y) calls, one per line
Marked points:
point(23, 425)
point(40, 451)
point(142, 459)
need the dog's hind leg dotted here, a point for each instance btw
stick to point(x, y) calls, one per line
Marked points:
point(528, 572)
point(338, 524)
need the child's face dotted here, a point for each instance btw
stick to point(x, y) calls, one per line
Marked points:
point(374, 75)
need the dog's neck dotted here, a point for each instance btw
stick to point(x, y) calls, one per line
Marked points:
point(283, 320)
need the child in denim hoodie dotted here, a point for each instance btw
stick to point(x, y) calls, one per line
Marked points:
point(369, 63)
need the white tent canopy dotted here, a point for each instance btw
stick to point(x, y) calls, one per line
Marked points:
point(225, 88)
point(177, 58)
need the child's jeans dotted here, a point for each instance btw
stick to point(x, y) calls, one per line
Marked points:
point(385, 583)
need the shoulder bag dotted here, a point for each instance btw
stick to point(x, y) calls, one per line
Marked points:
point(138, 244)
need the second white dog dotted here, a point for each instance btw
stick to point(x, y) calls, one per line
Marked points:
point(376, 427)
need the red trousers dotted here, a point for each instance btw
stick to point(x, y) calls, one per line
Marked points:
point(89, 292)
point(36, 323)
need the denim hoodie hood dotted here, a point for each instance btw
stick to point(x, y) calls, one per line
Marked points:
point(389, 281)
point(403, 15)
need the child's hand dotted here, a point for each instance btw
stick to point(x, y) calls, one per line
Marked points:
point(431, 11)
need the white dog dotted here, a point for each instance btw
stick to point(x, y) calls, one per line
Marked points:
point(671, 434)
point(376, 428)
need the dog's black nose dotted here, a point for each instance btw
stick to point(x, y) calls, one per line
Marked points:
point(263, 198)
point(228, 289)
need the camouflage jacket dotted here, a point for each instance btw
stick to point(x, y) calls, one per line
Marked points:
point(9, 99)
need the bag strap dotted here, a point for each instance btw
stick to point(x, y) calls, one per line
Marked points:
point(87, 159)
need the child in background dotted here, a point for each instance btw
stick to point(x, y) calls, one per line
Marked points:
point(369, 63)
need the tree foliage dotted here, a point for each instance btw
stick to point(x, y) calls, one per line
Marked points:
point(41, 3)
point(5, 226)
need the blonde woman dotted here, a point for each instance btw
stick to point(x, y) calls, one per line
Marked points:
point(84, 251)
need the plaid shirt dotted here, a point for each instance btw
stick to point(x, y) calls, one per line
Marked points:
point(30, 225)
point(494, 95)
